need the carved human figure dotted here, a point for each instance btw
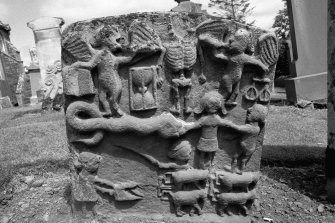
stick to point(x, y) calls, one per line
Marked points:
point(248, 135)
point(180, 56)
point(210, 104)
point(87, 165)
point(106, 41)
point(235, 54)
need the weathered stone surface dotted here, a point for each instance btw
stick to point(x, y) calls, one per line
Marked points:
point(5, 102)
point(330, 152)
point(11, 66)
point(188, 6)
point(165, 115)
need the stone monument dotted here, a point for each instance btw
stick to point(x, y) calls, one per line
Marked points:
point(308, 64)
point(330, 152)
point(165, 116)
point(34, 76)
point(47, 35)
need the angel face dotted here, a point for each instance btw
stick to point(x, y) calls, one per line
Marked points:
point(239, 42)
point(110, 37)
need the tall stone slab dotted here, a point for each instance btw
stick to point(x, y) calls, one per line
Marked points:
point(47, 33)
point(34, 73)
point(330, 152)
point(308, 19)
point(165, 116)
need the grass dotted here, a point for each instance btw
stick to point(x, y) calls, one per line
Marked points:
point(295, 135)
point(288, 125)
point(31, 142)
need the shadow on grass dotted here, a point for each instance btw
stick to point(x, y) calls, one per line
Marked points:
point(299, 167)
point(292, 156)
point(38, 167)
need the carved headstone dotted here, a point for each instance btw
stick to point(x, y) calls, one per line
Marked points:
point(165, 115)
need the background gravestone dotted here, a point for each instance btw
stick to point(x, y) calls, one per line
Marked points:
point(165, 116)
point(308, 51)
point(330, 152)
point(47, 35)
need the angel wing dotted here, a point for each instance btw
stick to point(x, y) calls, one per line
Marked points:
point(75, 48)
point(267, 49)
point(216, 28)
point(143, 38)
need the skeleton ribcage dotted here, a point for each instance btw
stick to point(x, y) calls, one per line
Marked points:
point(182, 55)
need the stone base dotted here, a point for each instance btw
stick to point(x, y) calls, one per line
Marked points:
point(153, 218)
point(33, 100)
point(310, 87)
point(19, 99)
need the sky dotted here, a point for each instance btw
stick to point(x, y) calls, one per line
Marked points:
point(17, 13)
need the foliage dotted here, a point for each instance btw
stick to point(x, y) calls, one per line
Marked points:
point(283, 63)
point(281, 23)
point(236, 10)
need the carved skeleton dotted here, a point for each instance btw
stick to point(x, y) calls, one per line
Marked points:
point(181, 55)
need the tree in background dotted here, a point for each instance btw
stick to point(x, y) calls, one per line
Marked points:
point(236, 10)
point(282, 24)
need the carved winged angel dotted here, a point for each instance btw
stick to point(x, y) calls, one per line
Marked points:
point(235, 52)
point(103, 46)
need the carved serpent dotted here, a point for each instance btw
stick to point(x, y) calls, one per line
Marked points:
point(165, 124)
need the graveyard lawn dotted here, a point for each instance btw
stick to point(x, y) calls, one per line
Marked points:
point(34, 180)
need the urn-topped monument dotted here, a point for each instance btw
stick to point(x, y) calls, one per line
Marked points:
point(165, 116)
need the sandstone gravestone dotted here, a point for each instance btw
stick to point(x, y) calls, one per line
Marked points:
point(48, 44)
point(330, 153)
point(165, 116)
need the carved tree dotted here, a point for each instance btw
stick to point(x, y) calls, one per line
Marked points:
point(236, 10)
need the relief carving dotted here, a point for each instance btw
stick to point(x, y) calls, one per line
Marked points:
point(188, 198)
point(53, 80)
point(180, 57)
point(243, 200)
point(118, 79)
point(248, 135)
point(143, 88)
point(103, 45)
